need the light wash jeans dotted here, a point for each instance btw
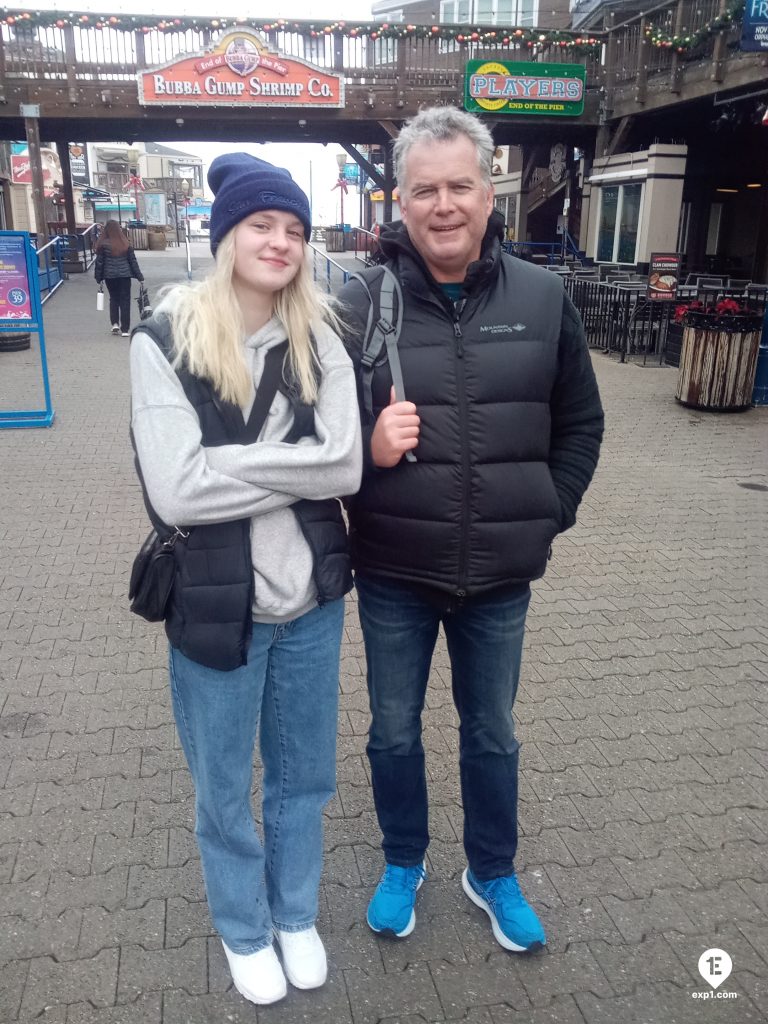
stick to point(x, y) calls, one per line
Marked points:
point(289, 687)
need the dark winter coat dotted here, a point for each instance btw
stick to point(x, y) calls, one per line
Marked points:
point(511, 425)
point(109, 266)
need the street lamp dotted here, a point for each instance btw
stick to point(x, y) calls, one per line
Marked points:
point(133, 156)
point(341, 184)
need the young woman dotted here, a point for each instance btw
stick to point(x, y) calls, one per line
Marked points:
point(255, 614)
point(116, 265)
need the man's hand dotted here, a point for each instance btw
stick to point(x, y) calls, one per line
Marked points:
point(396, 432)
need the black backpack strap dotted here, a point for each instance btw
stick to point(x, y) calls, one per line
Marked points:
point(382, 331)
point(271, 377)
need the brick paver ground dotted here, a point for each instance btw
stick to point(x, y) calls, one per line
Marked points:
point(644, 809)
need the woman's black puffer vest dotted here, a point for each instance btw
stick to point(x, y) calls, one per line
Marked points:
point(209, 615)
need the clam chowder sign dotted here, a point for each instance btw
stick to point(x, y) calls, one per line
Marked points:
point(240, 70)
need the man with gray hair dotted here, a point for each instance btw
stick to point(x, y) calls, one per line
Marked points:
point(467, 482)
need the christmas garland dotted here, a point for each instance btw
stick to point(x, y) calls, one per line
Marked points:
point(687, 41)
point(462, 34)
point(530, 38)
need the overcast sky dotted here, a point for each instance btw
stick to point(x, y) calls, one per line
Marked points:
point(312, 166)
point(327, 10)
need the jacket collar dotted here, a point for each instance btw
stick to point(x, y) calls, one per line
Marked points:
point(397, 246)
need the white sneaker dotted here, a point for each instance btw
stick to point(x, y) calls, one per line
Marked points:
point(304, 960)
point(257, 976)
point(115, 328)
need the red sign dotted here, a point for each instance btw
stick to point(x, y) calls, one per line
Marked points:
point(21, 167)
point(240, 71)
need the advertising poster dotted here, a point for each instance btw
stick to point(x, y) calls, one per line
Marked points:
point(663, 275)
point(754, 26)
point(15, 300)
point(155, 208)
point(78, 163)
point(21, 168)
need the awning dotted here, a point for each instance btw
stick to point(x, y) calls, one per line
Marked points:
point(125, 204)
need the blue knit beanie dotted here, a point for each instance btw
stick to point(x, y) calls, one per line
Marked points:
point(243, 184)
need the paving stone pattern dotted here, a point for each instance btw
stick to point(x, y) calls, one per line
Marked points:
point(644, 809)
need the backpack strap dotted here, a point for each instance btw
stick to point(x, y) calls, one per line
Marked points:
point(382, 331)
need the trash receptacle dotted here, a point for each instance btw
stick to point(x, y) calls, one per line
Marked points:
point(334, 239)
point(138, 237)
point(718, 361)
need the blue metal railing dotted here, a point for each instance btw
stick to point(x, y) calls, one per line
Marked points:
point(555, 252)
point(327, 273)
point(81, 248)
point(50, 268)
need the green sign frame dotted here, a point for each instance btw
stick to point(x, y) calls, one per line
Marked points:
point(524, 89)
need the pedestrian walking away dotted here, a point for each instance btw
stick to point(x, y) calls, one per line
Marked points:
point(481, 433)
point(116, 266)
point(245, 428)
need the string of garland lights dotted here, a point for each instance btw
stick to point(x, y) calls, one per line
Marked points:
point(688, 41)
point(490, 36)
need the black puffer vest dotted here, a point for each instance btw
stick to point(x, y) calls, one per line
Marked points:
point(209, 616)
point(479, 508)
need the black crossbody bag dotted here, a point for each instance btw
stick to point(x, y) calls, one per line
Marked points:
point(154, 568)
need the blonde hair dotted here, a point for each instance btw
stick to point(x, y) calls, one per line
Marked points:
point(208, 328)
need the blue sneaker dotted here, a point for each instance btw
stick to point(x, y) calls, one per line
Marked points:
point(391, 909)
point(514, 922)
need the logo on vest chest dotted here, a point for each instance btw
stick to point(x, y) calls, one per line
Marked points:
point(502, 328)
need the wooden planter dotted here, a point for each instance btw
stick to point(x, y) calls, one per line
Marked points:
point(718, 362)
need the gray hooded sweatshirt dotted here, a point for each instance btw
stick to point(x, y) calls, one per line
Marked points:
point(189, 484)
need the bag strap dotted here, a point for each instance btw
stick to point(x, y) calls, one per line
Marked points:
point(271, 376)
point(382, 330)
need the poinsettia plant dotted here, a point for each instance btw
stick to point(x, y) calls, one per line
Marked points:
point(730, 307)
point(724, 308)
point(687, 307)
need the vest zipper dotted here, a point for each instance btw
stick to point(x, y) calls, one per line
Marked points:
point(465, 460)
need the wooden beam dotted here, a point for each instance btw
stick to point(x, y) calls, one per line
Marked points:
point(389, 184)
point(366, 165)
point(718, 50)
point(392, 129)
point(641, 71)
point(62, 147)
point(618, 136)
point(71, 58)
point(32, 129)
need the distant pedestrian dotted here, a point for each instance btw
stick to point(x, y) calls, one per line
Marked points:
point(116, 266)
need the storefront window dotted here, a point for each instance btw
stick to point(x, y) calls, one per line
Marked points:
point(609, 201)
point(619, 221)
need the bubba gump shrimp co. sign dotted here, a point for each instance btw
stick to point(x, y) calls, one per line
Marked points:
point(240, 70)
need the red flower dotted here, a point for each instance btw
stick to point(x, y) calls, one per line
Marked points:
point(729, 306)
point(687, 307)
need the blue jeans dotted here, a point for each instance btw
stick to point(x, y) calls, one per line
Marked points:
point(485, 640)
point(288, 688)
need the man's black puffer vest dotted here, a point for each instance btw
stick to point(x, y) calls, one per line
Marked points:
point(505, 451)
point(209, 616)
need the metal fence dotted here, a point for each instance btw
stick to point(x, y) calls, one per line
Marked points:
point(619, 318)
